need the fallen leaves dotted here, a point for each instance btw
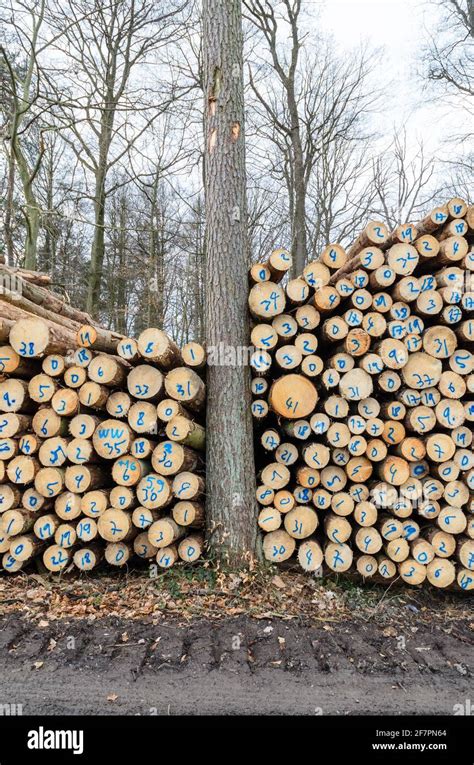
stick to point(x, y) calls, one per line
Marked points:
point(277, 581)
point(205, 592)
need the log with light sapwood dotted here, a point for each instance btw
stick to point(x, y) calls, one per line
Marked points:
point(31, 337)
point(145, 383)
point(191, 547)
point(118, 553)
point(185, 386)
point(116, 526)
point(156, 347)
point(97, 339)
point(259, 272)
point(112, 439)
point(166, 557)
point(185, 431)
point(169, 408)
point(108, 370)
point(374, 234)
point(127, 348)
point(42, 387)
point(194, 355)
point(164, 532)
point(279, 263)
point(118, 404)
point(54, 365)
point(266, 300)
point(93, 395)
point(88, 558)
point(13, 364)
point(14, 396)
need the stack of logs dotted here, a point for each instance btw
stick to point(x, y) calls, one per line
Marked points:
point(101, 437)
point(363, 403)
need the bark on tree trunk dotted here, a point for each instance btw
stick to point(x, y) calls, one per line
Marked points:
point(97, 250)
point(8, 226)
point(32, 218)
point(231, 506)
point(156, 259)
point(298, 223)
point(299, 207)
point(31, 210)
point(121, 305)
point(100, 197)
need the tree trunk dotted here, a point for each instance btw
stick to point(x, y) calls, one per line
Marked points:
point(298, 221)
point(198, 267)
point(156, 256)
point(31, 210)
point(46, 255)
point(122, 275)
point(32, 231)
point(9, 211)
point(231, 505)
point(97, 250)
point(100, 196)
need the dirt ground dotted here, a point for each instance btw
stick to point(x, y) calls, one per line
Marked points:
point(200, 644)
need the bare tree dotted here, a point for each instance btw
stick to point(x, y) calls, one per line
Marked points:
point(26, 105)
point(449, 58)
point(9, 203)
point(404, 181)
point(340, 193)
point(451, 50)
point(192, 241)
point(288, 127)
point(112, 104)
point(230, 480)
point(307, 99)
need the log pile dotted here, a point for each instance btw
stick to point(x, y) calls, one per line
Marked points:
point(102, 438)
point(363, 384)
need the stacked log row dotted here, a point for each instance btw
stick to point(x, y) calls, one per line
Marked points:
point(363, 383)
point(102, 441)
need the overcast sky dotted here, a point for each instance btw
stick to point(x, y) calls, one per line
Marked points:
point(402, 29)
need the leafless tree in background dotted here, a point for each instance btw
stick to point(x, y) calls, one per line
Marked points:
point(451, 51)
point(110, 108)
point(449, 60)
point(402, 181)
point(101, 162)
point(27, 105)
point(340, 193)
point(307, 99)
